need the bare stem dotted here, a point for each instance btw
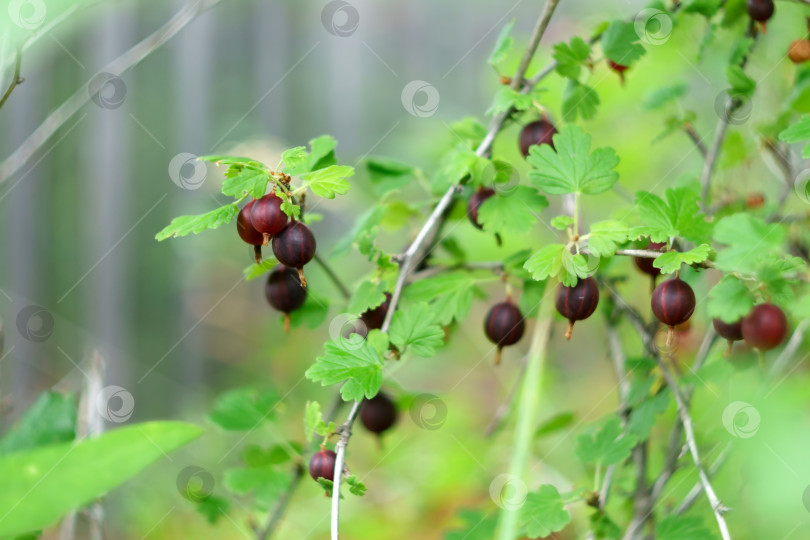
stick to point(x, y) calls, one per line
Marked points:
point(695, 492)
point(16, 80)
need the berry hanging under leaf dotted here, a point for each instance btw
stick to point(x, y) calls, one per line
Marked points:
point(295, 247)
point(577, 303)
point(645, 264)
point(673, 303)
point(476, 200)
point(379, 413)
point(248, 233)
point(765, 327)
point(504, 325)
point(538, 132)
point(322, 465)
point(618, 68)
point(374, 318)
point(731, 332)
point(284, 292)
point(267, 217)
point(760, 11)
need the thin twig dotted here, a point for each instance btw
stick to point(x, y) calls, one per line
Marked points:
point(689, 129)
point(696, 490)
point(333, 276)
point(506, 405)
point(790, 349)
point(408, 260)
point(16, 80)
point(74, 103)
point(783, 160)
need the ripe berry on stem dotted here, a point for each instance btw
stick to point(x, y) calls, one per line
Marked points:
point(645, 264)
point(476, 200)
point(322, 465)
point(295, 247)
point(760, 11)
point(765, 327)
point(504, 325)
point(731, 332)
point(538, 132)
point(673, 302)
point(267, 216)
point(247, 232)
point(284, 292)
point(378, 414)
point(577, 303)
point(618, 68)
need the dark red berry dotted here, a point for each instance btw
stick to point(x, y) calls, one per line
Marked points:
point(266, 215)
point(728, 331)
point(476, 200)
point(760, 10)
point(673, 302)
point(765, 327)
point(538, 132)
point(618, 68)
point(374, 318)
point(378, 413)
point(645, 264)
point(322, 465)
point(295, 247)
point(504, 326)
point(731, 332)
point(245, 228)
point(284, 292)
point(577, 303)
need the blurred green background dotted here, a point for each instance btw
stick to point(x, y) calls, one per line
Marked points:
point(177, 325)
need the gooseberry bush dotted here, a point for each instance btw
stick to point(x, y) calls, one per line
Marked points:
point(744, 248)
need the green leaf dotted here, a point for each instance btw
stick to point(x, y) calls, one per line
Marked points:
point(562, 222)
point(506, 98)
point(676, 527)
point(800, 131)
point(531, 296)
point(292, 210)
point(456, 164)
point(707, 8)
point(547, 262)
point(476, 526)
point(603, 527)
point(605, 237)
point(751, 241)
point(503, 45)
point(448, 295)
point(642, 417)
point(312, 419)
point(312, 313)
point(368, 295)
point(294, 158)
point(255, 456)
point(661, 96)
point(352, 360)
point(513, 213)
point(555, 423)
point(741, 84)
point(543, 512)
point(579, 100)
point(607, 446)
point(379, 340)
point(42, 485)
point(244, 408)
point(184, 225)
point(329, 181)
point(570, 58)
point(258, 270)
point(240, 181)
point(620, 43)
point(365, 223)
point(266, 484)
point(412, 330)
point(679, 215)
point(572, 167)
point(322, 152)
point(212, 507)
point(356, 487)
point(730, 300)
point(50, 419)
point(388, 174)
point(671, 261)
